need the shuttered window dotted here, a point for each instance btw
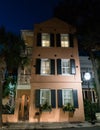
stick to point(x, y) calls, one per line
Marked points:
point(66, 66)
point(45, 66)
point(45, 39)
point(67, 96)
point(45, 95)
point(64, 40)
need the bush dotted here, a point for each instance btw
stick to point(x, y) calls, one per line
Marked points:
point(90, 110)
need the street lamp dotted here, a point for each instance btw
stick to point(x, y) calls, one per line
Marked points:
point(87, 77)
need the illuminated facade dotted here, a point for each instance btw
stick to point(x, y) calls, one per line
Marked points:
point(52, 79)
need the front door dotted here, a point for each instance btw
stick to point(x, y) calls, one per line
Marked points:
point(24, 108)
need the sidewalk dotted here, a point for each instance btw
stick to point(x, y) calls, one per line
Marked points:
point(31, 126)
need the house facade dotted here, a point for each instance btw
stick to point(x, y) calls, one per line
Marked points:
point(53, 77)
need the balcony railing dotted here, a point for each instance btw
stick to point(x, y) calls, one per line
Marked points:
point(24, 79)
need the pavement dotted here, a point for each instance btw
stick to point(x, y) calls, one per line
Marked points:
point(43, 126)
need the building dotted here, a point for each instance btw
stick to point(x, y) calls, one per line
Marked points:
point(53, 76)
point(86, 66)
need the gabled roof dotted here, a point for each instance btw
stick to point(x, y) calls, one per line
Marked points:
point(55, 23)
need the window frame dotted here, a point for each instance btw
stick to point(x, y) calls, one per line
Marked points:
point(69, 97)
point(45, 37)
point(45, 98)
point(64, 40)
point(65, 68)
point(45, 61)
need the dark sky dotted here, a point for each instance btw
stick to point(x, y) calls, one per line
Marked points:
point(16, 15)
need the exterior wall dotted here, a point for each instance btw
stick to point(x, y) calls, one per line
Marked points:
point(55, 81)
point(57, 114)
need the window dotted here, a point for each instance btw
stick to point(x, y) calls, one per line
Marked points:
point(45, 66)
point(67, 96)
point(65, 66)
point(64, 40)
point(45, 40)
point(89, 95)
point(45, 96)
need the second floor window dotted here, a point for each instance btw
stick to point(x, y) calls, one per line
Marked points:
point(45, 40)
point(65, 66)
point(45, 66)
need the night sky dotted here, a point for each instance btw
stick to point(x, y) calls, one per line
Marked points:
point(16, 15)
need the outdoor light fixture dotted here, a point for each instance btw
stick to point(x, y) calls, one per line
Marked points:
point(87, 76)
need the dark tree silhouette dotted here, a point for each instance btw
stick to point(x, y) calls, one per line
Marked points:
point(84, 15)
point(10, 56)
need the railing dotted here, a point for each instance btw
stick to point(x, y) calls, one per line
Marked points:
point(24, 79)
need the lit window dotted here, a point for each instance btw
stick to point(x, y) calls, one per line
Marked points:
point(45, 96)
point(45, 66)
point(45, 40)
point(67, 95)
point(64, 40)
point(65, 66)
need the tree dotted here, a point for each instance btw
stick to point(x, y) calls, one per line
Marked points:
point(84, 15)
point(11, 46)
point(2, 67)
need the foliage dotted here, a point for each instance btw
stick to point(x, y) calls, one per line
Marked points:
point(6, 88)
point(45, 107)
point(13, 45)
point(90, 109)
point(83, 15)
point(9, 92)
point(68, 107)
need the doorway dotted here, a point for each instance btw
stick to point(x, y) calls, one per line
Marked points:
point(23, 114)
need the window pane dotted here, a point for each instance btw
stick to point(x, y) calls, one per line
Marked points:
point(65, 66)
point(45, 66)
point(64, 40)
point(45, 39)
point(45, 96)
point(67, 96)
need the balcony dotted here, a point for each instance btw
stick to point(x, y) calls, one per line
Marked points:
point(24, 79)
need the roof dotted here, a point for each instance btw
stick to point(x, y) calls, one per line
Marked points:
point(56, 23)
